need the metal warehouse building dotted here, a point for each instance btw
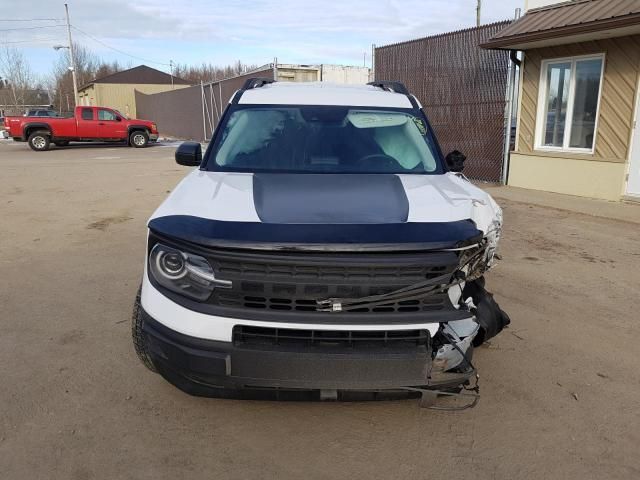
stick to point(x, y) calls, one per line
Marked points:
point(118, 90)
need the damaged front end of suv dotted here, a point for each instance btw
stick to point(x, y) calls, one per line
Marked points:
point(453, 342)
point(325, 247)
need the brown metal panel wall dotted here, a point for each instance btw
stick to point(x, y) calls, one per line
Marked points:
point(178, 113)
point(217, 96)
point(462, 89)
point(622, 66)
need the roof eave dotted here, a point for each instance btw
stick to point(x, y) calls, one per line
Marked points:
point(520, 41)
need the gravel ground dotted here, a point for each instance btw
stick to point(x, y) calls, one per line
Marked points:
point(560, 388)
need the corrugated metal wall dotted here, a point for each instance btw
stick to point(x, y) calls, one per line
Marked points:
point(615, 119)
point(192, 112)
point(462, 89)
point(178, 113)
point(216, 96)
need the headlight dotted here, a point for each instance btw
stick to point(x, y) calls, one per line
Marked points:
point(184, 273)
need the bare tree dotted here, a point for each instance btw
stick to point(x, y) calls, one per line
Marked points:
point(208, 72)
point(90, 67)
point(17, 74)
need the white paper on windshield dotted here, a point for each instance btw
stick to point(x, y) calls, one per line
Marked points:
point(363, 119)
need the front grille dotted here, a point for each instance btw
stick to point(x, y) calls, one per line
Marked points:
point(292, 283)
point(433, 303)
point(338, 339)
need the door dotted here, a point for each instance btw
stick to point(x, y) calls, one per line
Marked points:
point(110, 124)
point(87, 123)
point(633, 184)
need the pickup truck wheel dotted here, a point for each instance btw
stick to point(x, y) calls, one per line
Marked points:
point(139, 340)
point(39, 141)
point(139, 139)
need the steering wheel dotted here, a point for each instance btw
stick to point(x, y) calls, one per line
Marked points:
point(383, 162)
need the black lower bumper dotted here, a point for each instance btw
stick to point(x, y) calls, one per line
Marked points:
point(204, 367)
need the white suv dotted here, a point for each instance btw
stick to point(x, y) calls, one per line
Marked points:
point(323, 245)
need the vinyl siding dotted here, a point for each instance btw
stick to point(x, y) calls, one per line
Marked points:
point(622, 64)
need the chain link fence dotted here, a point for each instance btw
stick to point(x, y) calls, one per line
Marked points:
point(462, 89)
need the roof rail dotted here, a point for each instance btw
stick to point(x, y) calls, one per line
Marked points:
point(397, 87)
point(256, 82)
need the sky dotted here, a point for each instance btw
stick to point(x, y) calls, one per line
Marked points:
point(153, 32)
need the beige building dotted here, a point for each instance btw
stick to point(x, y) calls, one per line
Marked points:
point(577, 130)
point(322, 73)
point(118, 90)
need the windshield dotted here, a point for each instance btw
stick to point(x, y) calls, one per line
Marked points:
point(313, 139)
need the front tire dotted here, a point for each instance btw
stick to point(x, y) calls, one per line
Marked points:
point(139, 139)
point(39, 141)
point(138, 337)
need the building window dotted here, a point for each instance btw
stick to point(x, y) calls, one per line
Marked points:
point(568, 103)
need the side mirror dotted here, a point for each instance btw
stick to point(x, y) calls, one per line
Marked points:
point(455, 161)
point(189, 154)
point(119, 118)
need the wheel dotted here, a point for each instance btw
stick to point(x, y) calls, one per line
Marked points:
point(61, 143)
point(139, 340)
point(39, 141)
point(139, 139)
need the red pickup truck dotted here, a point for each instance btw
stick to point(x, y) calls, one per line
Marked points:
point(89, 124)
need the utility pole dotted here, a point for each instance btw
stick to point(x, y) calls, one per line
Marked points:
point(372, 72)
point(478, 12)
point(73, 63)
point(171, 70)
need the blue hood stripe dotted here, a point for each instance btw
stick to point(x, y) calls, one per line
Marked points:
point(328, 198)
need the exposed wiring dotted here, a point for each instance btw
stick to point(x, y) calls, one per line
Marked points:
point(415, 291)
point(410, 292)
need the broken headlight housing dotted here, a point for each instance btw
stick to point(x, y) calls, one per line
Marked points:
point(184, 273)
point(478, 260)
point(493, 239)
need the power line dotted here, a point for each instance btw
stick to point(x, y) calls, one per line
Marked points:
point(118, 50)
point(31, 19)
point(29, 28)
point(30, 41)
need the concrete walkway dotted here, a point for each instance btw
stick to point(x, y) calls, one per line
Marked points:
point(621, 211)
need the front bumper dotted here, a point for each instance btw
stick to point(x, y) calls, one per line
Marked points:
point(204, 367)
point(153, 137)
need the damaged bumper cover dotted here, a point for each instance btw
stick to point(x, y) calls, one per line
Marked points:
point(256, 359)
point(202, 367)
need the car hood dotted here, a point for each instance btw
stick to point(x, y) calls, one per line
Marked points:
point(244, 197)
point(326, 208)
